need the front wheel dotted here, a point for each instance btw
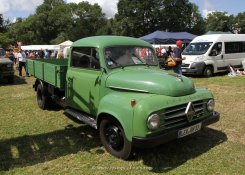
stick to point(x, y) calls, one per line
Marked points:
point(208, 71)
point(114, 140)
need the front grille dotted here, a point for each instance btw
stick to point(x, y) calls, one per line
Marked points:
point(6, 67)
point(185, 65)
point(175, 116)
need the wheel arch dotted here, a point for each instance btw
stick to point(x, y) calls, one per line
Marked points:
point(118, 120)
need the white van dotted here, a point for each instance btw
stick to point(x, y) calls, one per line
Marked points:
point(209, 54)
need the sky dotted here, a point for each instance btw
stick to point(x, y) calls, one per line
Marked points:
point(12, 9)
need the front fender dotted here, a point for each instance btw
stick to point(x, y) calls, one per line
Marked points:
point(118, 105)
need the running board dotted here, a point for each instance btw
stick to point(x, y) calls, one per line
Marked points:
point(80, 117)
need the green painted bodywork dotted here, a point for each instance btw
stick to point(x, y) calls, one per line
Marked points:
point(109, 92)
point(52, 71)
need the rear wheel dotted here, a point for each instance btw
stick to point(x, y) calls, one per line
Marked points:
point(114, 140)
point(208, 71)
point(42, 97)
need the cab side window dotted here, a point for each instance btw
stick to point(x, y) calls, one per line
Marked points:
point(217, 49)
point(85, 57)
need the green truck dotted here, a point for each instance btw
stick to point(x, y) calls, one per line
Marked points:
point(6, 67)
point(115, 85)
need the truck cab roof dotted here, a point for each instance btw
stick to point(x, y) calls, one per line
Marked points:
point(104, 41)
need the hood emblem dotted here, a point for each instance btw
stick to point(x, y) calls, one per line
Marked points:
point(189, 112)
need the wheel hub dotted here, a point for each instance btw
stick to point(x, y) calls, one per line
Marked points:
point(114, 137)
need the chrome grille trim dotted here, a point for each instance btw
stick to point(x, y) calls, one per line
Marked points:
point(176, 115)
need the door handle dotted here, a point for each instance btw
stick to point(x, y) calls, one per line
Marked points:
point(222, 56)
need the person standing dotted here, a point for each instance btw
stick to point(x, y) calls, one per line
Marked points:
point(177, 57)
point(41, 53)
point(22, 61)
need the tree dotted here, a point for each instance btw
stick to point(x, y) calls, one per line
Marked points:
point(240, 23)
point(197, 24)
point(55, 21)
point(87, 20)
point(137, 18)
point(3, 24)
point(51, 18)
point(220, 21)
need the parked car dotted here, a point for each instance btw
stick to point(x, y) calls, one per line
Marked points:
point(6, 67)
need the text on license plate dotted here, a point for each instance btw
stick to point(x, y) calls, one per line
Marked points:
point(187, 131)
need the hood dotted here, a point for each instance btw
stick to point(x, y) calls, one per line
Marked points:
point(155, 81)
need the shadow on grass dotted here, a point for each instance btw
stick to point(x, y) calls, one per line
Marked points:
point(33, 149)
point(166, 157)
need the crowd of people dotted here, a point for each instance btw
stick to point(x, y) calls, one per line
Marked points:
point(20, 56)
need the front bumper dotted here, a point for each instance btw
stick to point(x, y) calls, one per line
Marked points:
point(146, 142)
point(195, 69)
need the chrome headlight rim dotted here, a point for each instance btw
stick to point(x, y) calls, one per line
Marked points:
point(210, 105)
point(153, 122)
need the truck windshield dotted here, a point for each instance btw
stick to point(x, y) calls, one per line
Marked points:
point(2, 52)
point(197, 48)
point(121, 56)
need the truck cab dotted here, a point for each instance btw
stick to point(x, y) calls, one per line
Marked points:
point(115, 85)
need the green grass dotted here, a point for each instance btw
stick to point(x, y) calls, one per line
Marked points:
point(33, 141)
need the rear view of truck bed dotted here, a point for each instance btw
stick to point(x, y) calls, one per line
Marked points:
point(52, 71)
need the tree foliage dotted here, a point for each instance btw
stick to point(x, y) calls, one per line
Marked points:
point(240, 23)
point(137, 18)
point(220, 21)
point(55, 21)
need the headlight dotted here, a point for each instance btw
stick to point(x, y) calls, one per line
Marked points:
point(210, 105)
point(153, 122)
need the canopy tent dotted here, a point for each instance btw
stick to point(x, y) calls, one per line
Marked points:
point(39, 47)
point(159, 37)
point(65, 44)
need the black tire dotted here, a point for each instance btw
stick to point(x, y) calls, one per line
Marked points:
point(114, 140)
point(208, 71)
point(42, 97)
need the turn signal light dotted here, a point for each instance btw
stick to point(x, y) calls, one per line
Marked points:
point(132, 102)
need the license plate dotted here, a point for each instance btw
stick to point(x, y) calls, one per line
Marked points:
point(9, 65)
point(187, 131)
point(183, 70)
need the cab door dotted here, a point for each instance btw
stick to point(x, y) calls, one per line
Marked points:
point(217, 55)
point(83, 80)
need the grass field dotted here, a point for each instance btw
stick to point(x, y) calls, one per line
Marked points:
point(33, 141)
